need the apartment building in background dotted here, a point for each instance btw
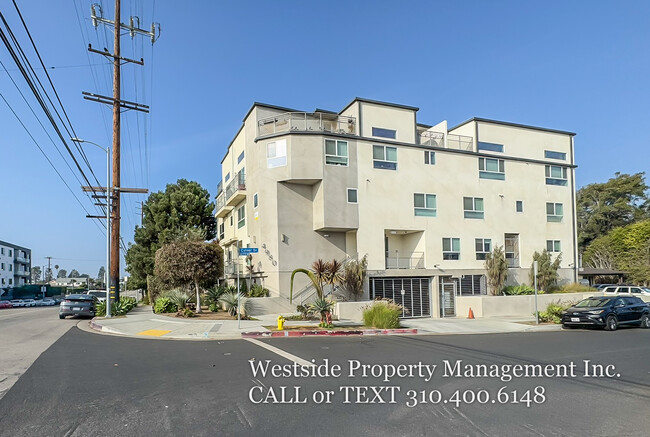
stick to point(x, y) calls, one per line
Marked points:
point(15, 265)
point(425, 203)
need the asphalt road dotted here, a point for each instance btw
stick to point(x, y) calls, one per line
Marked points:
point(87, 384)
point(24, 334)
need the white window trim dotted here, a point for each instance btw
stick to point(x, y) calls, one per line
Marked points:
point(451, 247)
point(553, 246)
point(241, 222)
point(428, 154)
point(347, 197)
point(425, 208)
point(385, 159)
point(336, 145)
point(474, 210)
point(484, 252)
point(555, 217)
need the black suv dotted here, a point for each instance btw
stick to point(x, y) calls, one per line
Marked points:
point(608, 311)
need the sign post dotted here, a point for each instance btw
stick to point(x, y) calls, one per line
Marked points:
point(243, 251)
point(536, 311)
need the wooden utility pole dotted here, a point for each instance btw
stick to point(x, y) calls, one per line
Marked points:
point(118, 104)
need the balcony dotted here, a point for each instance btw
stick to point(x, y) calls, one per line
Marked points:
point(21, 259)
point(222, 209)
point(21, 273)
point(307, 122)
point(219, 188)
point(437, 139)
point(236, 189)
point(231, 268)
point(413, 261)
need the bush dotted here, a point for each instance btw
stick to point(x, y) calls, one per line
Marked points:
point(230, 301)
point(553, 312)
point(164, 305)
point(145, 300)
point(177, 297)
point(575, 288)
point(213, 294)
point(185, 312)
point(243, 287)
point(382, 314)
point(519, 290)
point(214, 307)
point(258, 291)
point(305, 311)
point(120, 308)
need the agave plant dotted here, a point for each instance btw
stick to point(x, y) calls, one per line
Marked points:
point(178, 298)
point(323, 307)
point(230, 301)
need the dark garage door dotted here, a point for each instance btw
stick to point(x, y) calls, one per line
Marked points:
point(416, 294)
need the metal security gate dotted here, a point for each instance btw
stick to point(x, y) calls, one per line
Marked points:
point(415, 297)
point(447, 297)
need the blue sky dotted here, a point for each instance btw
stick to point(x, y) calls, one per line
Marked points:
point(577, 66)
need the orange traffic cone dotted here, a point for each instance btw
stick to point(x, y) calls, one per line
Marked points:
point(471, 314)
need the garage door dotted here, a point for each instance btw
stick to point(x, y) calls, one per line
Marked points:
point(415, 299)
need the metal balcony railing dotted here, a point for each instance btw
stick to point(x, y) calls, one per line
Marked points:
point(219, 188)
point(221, 201)
point(238, 183)
point(460, 142)
point(433, 139)
point(437, 139)
point(413, 261)
point(305, 122)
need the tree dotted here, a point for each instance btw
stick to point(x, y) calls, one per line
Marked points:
point(73, 273)
point(63, 273)
point(602, 207)
point(186, 262)
point(48, 274)
point(321, 273)
point(36, 274)
point(546, 270)
point(497, 270)
point(101, 275)
point(354, 275)
point(181, 206)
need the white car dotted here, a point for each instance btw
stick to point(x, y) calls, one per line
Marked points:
point(29, 302)
point(99, 294)
point(17, 303)
point(626, 289)
point(46, 302)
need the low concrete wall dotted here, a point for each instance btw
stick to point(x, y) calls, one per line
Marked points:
point(350, 310)
point(499, 306)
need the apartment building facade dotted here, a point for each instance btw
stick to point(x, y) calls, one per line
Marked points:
point(425, 203)
point(15, 265)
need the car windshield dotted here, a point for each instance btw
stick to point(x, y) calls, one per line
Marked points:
point(592, 303)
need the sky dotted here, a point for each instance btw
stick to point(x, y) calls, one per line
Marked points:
point(569, 65)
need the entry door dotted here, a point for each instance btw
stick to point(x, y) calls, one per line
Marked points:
point(448, 299)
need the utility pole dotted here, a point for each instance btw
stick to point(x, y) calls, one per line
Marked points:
point(117, 103)
point(48, 272)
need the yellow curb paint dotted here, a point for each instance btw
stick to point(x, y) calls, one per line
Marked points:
point(154, 332)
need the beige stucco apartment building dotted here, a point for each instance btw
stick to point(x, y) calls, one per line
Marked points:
point(425, 203)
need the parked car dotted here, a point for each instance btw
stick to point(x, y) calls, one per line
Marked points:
point(29, 302)
point(601, 286)
point(609, 312)
point(17, 303)
point(99, 294)
point(46, 302)
point(78, 305)
point(626, 289)
point(5, 304)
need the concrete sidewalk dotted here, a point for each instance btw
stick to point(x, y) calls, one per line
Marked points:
point(141, 322)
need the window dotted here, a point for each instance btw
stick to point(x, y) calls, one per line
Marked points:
point(553, 246)
point(222, 227)
point(240, 157)
point(451, 248)
point(491, 168)
point(556, 175)
point(11, 267)
point(483, 247)
point(3, 281)
point(473, 207)
point(429, 157)
point(519, 206)
point(3, 266)
point(384, 157)
point(554, 155)
point(492, 147)
point(255, 200)
point(227, 178)
point(11, 281)
point(385, 133)
point(11, 253)
point(241, 217)
point(554, 212)
point(352, 195)
point(276, 154)
point(425, 204)
point(230, 219)
point(2, 251)
point(336, 152)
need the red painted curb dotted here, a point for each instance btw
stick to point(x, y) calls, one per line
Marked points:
point(329, 333)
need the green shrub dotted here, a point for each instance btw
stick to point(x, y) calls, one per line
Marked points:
point(243, 287)
point(120, 308)
point(383, 314)
point(305, 311)
point(178, 298)
point(164, 305)
point(185, 312)
point(213, 307)
point(258, 291)
point(145, 300)
point(213, 294)
point(575, 288)
point(553, 312)
point(230, 301)
point(518, 290)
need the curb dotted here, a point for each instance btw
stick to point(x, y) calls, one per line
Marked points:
point(330, 333)
point(102, 328)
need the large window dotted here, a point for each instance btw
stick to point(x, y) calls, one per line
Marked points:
point(276, 154)
point(451, 248)
point(222, 230)
point(385, 133)
point(241, 217)
point(429, 157)
point(384, 157)
point(425, 204)
point(491, 168)
point(491, 147)
point(556, 175)
point(554, 155)
point(473, 207)
point(483, 247)
point(554, 212)
point(553, 246)
point(336, 152)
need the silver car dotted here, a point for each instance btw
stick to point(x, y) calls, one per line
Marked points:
point(78, 305)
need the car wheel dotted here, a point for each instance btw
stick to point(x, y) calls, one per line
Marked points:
point(61, 316)
point(611, 324)
point(645, 321)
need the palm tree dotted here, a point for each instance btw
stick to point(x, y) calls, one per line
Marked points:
point(321, 271)
point(334, 273)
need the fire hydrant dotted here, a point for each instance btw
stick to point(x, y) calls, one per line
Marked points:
point(280, 323)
